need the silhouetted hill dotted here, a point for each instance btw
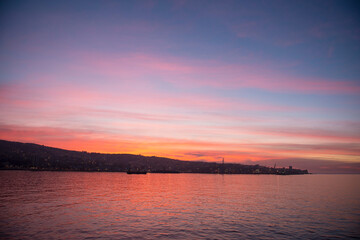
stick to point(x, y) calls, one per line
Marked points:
point(29, 156)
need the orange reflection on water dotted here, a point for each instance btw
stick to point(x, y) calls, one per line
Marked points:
point(183, 206)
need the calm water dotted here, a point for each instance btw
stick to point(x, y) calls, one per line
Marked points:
point(76, 205)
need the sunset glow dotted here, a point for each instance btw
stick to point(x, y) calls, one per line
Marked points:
point(188, 80)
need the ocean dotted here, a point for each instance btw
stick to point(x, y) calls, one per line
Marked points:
point(94, 205)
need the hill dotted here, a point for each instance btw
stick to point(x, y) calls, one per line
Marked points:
point(29, 156)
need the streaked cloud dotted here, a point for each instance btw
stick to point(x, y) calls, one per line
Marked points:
point(247, 81)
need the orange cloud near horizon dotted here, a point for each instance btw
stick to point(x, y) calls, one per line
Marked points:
point(182, 149)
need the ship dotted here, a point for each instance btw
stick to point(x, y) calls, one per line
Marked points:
point(136, 172)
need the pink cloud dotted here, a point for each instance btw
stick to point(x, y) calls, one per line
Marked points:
point(311, 133)
point(58, 94)
point(190, 73)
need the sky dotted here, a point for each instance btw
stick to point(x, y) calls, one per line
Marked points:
point(249, 81)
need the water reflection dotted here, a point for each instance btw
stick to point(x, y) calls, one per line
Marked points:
point(116, 205)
